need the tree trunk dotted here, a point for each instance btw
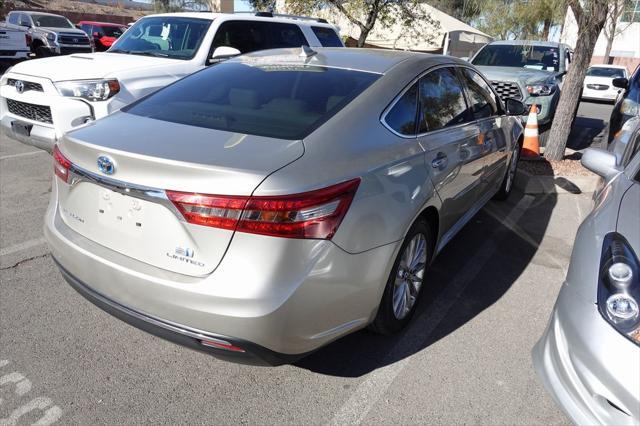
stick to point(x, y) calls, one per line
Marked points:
point(590, 24)
point(364, 33)
point(607, 52)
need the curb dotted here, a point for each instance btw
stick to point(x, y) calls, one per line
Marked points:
point(532, 184)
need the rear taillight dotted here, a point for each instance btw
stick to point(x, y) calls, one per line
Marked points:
point(27, 38)
point(60, 164)
point(314, 214)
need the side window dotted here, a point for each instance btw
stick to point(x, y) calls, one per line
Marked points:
point(13, 18)
point(283, 35)
point(327, 37)
point(249, 36)
point(442, 101)
point(99, 30)
point(402, 117)
point(87, 29)
point(483, 101)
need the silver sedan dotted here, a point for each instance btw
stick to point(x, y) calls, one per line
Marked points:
point(589, 356)
point(264, 207)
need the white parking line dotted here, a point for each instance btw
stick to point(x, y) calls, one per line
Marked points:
point(22, 246)
point(377, 382)
point(23, 154)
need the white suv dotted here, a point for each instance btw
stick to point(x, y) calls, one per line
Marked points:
point(42, 99)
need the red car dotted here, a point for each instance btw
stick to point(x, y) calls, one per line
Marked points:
point(102, 33)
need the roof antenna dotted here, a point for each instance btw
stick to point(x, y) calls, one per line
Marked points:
point(307, 52)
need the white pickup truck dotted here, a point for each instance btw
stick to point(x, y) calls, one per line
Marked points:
point(14, 44)
point(42, 99)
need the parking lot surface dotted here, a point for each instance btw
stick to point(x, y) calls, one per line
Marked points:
point(465, 358)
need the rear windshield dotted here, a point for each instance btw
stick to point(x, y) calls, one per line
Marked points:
point(110, 31)
point(51, 21)
point(605, 72)
point(164, 36)
point(280, 101)
point(520, 56)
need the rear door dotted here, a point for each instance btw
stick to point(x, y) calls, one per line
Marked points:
point(449, 135)
point(484, 106)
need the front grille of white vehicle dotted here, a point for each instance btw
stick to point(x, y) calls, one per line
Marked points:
point(507, 89)
point(33, 112)
point(28, 85)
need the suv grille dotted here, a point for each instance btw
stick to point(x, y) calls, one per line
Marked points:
point(507, 89)
point(73, 39)
point(33, 112)
point(28, 85)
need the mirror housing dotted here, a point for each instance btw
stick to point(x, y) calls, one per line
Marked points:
point(620, 82)
point(514, 107)
point(600, 162)
point(224, 52)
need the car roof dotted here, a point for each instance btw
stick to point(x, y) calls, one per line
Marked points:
point(35, 12)
point(246, 17)
point(377, 61)
point(528, 43)
point(620, 67)
point(106, 24)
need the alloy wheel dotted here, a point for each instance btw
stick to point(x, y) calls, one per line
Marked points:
point(410, 275)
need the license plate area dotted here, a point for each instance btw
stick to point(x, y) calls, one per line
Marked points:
point(120, 212)
point(21, 128)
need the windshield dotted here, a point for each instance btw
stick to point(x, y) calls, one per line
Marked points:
point(520, 56)
point(113, 31)
point(51, 21)
point(605, 72)
point(165, 36)
point(280, 101)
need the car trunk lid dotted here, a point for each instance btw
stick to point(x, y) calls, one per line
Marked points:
point(128, 210)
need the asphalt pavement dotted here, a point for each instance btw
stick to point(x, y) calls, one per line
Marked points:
point(465, 358)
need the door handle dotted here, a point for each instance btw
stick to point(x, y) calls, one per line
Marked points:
point(440, 161)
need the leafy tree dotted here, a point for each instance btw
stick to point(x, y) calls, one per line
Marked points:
point(590, 16)
point(365, 14)
point(262, 5)
point(533, 19)
point(464, 10)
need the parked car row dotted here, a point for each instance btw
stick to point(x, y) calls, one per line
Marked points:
point(263, 207)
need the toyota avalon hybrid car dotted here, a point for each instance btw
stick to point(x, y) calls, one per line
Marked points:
point(261, 208)
point(589, 356)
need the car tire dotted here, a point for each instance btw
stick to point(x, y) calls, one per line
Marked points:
point(509, 178)
point(397, 306)
point(42, 52)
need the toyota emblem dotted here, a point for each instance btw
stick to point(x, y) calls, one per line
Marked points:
point(106, 165)
point(75, 40)
point(19, 85)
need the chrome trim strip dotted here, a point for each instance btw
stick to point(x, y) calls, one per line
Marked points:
point(159, 196)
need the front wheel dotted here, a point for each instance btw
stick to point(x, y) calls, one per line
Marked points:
point(510, 176)
point(405, 282)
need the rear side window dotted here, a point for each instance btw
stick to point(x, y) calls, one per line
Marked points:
point(13, 18)
point(249, 36)
point(402, 116)
point(442, 102)
point(483, 101)
point(327, 37)
point(279, 101)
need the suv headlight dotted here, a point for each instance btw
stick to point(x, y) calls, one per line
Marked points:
point(51, 37)
point(91, 90)
point(541, 89)
point(619, 287)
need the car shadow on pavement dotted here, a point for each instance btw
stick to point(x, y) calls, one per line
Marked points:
point(472, 273)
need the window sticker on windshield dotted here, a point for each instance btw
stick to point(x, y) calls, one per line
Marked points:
point(165, 31)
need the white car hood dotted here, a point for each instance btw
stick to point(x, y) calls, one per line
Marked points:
point(83, 66)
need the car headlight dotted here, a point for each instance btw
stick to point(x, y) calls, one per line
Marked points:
point(541, 89)
point(51, 37)
point(91, 90)
point(629, 107)
point(619, 287)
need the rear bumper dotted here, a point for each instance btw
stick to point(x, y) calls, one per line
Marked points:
point(587, 366)
point(180, 334)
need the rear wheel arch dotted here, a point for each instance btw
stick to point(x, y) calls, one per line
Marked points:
point(431, 216)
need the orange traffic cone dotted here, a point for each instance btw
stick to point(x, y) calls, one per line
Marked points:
point(531, 145)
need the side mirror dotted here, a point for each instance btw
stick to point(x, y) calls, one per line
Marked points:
point(600, 162)
point(514, 107)
point(224, 52)
point(620, 82)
